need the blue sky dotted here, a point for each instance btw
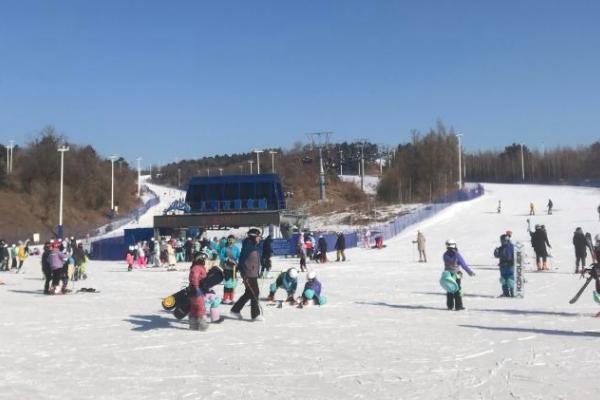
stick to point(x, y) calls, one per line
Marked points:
point(184, 79)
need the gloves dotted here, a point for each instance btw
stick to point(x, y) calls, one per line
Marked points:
point(471, 273)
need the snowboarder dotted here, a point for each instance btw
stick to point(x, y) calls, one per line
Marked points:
point(229, 261)
point(531, 208)
point(453, 262)
point(249, 263)
point(421, 241)
point(539, 241)
point(506, 255)
point(340, 246)
point(580, 244)
point(195, 294)
point(287, 280)
point(312, 291)
point(550, 205)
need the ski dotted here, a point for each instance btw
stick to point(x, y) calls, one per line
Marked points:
point(578, 294)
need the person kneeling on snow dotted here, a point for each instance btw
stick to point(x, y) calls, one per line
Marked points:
point(506, 254)
point(287, 280)
point(196, 296)
point(452, 275)
point(312, 291)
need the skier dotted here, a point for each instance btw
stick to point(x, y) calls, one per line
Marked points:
point(453, 262)
point(46, 267)
point(499, 206)
point(249, 263)
point(340, 246)
point(580, 244)
point(539, 241)
point(229, 261)
point(531, 208)
point(312, 291)
point(550, 205)
point(196, 296)
point(506, 255)
point(421, 241)
point(287, 280)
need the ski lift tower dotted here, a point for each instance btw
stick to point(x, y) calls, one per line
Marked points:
point(362, 143)
point(320, 139)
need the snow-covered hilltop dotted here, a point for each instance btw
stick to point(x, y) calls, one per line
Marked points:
point(385, 333)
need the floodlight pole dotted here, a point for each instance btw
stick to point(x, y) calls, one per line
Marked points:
point(139, 169)
point(460, 179)
point(272, 153)
point(112, 182)
point(62, 151)
point(522, 164)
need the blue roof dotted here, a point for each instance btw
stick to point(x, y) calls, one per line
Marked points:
point(223, 179)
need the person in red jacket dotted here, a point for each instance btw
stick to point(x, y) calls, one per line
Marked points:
point(196, 296)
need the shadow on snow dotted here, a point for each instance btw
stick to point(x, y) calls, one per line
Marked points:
point(554, 332)
point(148, 322)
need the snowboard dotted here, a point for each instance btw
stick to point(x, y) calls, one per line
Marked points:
point(519, 281)
point(594, 275)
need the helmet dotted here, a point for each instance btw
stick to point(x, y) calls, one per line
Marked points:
point(451, 244)
point(311, 275)
point(293, 273)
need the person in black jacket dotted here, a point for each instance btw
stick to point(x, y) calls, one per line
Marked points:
point(580, 244)
point(322, 247)
point(46, 270)
point(340, 246)
point(539, 241)
point(249, 269)
point(265, 260)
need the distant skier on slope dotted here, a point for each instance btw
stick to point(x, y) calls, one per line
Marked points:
point(580, 244)
point(550, 205)
point(506, 255)
point(451, 278)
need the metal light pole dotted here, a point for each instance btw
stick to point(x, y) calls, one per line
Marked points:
point(207, 171)
point(320, 141)
point(220, 171)
point(139, 168)
point(250, 162)
point(241, 169)
point(258, 160)
point(112, 182)
point(522, 164)
point(460, 180)
point(272, 153)
point(7, 160)
point(12, 147)
point(62, 151)
point(341, 162)
point(178, 178)
point(362, 163)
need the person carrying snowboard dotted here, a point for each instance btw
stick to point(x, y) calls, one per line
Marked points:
point(312, 291)
point(453, 262)
point(287, 280)
point(580, 244)
point(196, 296)
point(506, 255)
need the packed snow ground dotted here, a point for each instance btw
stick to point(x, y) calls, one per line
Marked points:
point(385, 333)
point(370, 182)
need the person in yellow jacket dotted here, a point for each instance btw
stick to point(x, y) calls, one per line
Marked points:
point(22, 253)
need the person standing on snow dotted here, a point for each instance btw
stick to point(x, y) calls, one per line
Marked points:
point(322, 248)
point(506, 255)
point(249, 269)
point(453, 262)
point(421, 241)
point(531, 208)
point(22, 253)
point(499, 206)
point(196, 296)
point(267, 253)
point(550, 205)
point(340, 246)
point(57, 260)
point(539, 241)
point(580, 244)
point(230, 255)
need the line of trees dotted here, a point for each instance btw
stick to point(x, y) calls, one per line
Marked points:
point(87, 180)
point(559, 165)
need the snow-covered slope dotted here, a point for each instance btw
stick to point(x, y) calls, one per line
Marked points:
point(370, 182)
point(385, 333)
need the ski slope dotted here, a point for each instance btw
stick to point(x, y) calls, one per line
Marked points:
point(385, 333)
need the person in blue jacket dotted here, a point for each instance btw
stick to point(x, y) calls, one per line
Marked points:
point(453, 262)
point(287, 280)
point(312, 291)
point(506, 255)
point(229, 256)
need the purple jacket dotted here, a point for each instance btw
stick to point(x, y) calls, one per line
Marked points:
point(314, 285)
point(56, 259)
point(453, 260)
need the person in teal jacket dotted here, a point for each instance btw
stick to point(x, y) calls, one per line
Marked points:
point(229, 256)
point(287, 280)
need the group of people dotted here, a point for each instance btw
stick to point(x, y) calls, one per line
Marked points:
point(549, 207)
point(249, 262)
point(13, 256)
point(309, 248)
point(63, 261)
